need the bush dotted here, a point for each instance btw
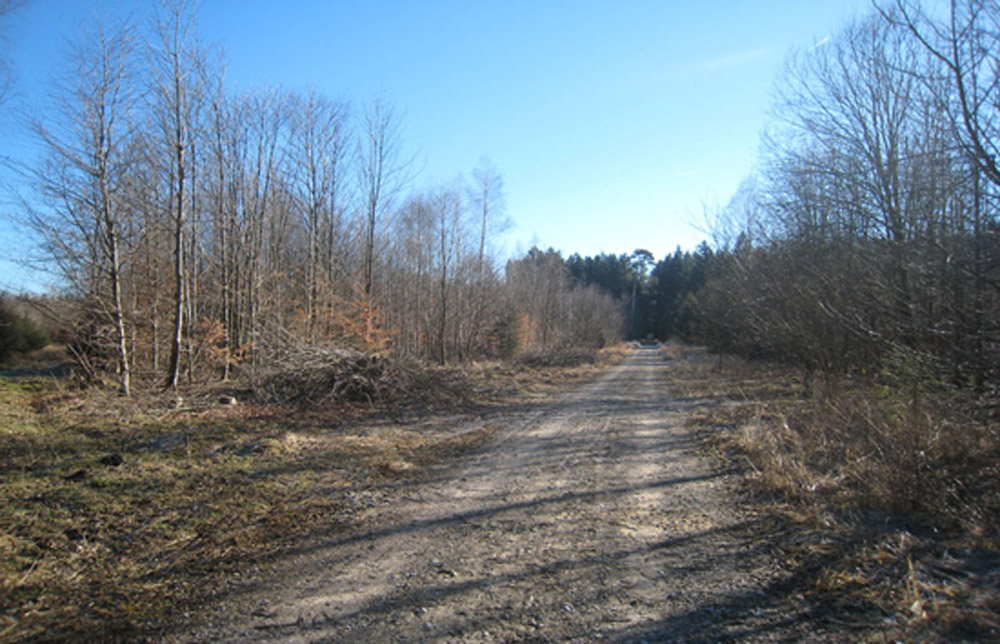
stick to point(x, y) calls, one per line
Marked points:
point(18, 334)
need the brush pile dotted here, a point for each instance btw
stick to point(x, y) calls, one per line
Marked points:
point(563, 358)
point(309, 377)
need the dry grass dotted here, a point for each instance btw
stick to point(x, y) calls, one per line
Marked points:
point(899, 490)
point(538, 378)
point(118, 513)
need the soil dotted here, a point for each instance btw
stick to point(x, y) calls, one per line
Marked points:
point(592, 517)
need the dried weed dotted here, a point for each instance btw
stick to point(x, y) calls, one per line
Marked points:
point(894, 484)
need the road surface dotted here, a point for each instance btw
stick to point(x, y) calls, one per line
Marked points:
point(591, 518)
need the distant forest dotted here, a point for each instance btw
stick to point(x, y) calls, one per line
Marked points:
point(198, 230)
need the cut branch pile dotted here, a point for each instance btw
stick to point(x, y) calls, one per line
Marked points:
point(312, 376)
point(564, 358)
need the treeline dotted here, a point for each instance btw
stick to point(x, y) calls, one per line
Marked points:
point(655, 298)
point(197, 229)
point(868, 241)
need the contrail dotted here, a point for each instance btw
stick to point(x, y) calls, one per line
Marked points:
point(823, 41)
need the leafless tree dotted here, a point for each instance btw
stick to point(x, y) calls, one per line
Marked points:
point(447, 209)
point(537, 283)
point(7, 7)
point(486, 195)
point(381, 176)
point(870, 244)
point(319, 147)
point(207, 226)
point(82, 178)
point(219, 185)
point(262, 119)
point(411, 279)
point(966, 43)
point(174, 62)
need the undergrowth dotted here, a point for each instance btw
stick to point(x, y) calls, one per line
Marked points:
point(906, 485)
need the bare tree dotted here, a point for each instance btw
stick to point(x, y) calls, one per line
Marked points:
point(966, 43)
point(220, 190)
point(381, 177)
point(414, 243)
point(487, 198)
point(87, 156)
point(854, 107)
point(536, 285)
point(7, 7)
point(870, 243)
point(319, 151)
point(175, 61)
point(487, 195)
point(447, 209)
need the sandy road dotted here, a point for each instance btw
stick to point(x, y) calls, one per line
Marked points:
point(591, 518)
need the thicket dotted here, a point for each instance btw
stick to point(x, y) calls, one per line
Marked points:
point(869, 242)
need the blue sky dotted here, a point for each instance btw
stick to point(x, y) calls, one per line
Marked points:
point(615, 123)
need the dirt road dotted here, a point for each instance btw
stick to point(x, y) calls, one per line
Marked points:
point(591, 518)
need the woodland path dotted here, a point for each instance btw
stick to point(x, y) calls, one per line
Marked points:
point(593, 517)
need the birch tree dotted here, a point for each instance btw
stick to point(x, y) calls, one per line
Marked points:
point(86, 147)
point(174, 62)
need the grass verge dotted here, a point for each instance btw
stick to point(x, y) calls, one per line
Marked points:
point(892, 498)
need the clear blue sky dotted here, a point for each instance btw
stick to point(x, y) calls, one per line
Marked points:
point(613, 122)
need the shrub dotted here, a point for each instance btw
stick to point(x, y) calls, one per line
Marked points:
point(18, 334)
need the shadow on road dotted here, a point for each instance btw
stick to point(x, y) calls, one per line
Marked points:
point(593, 518)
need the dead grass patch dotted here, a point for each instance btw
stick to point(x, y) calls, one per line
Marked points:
point(899, 492)
point(117, 513)
point(105, 526)
point(539, 377)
